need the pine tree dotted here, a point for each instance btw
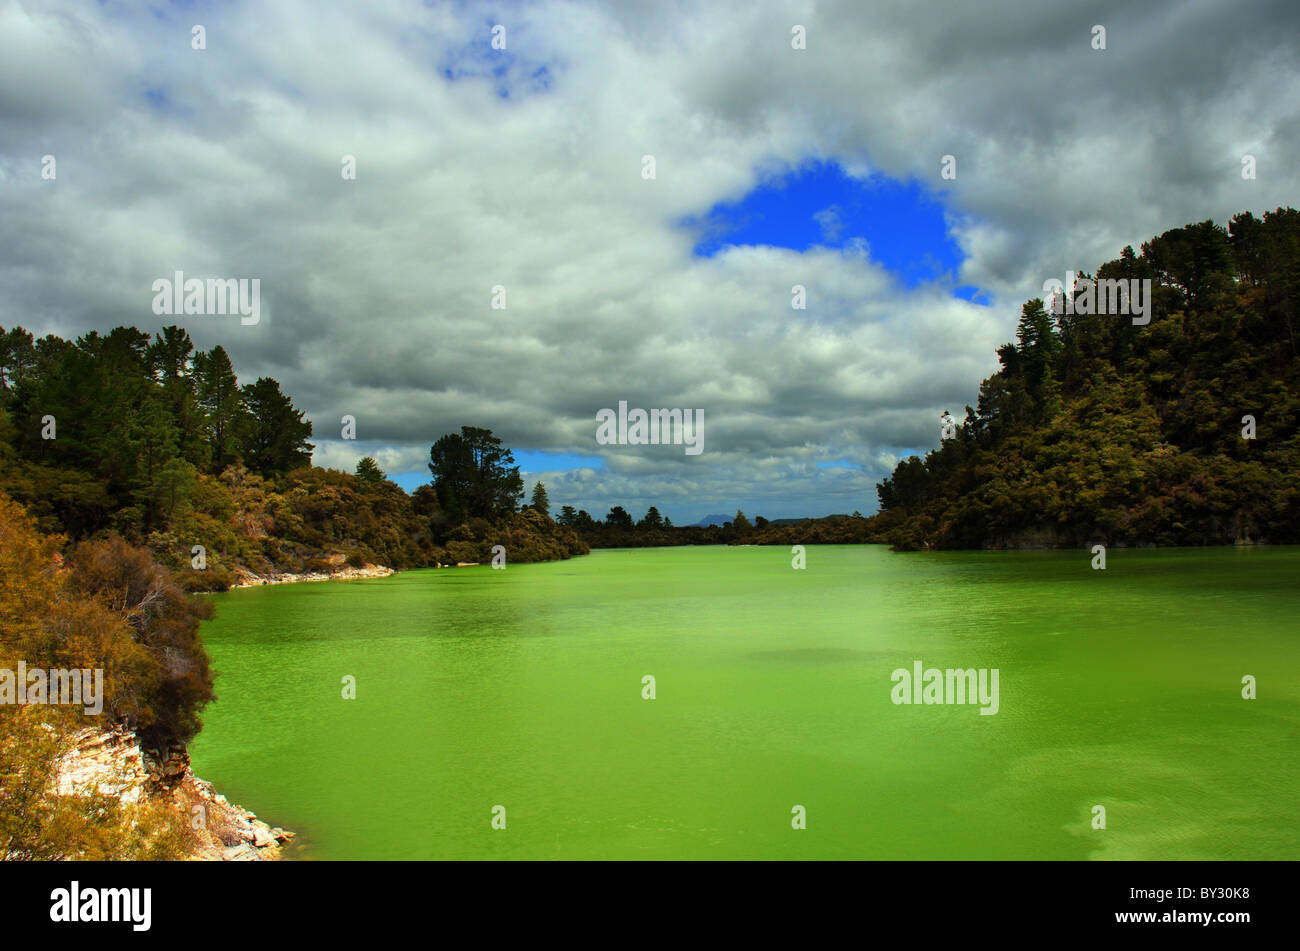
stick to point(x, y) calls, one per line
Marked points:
point(540, 502)
point(217, 390)
point(368, 471)
point(276, 436)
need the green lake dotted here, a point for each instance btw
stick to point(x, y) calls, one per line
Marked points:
point(523, 688)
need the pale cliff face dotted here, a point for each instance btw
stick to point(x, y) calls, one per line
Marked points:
point(111, 762)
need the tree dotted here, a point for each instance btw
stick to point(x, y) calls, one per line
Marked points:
point(474, 475)
point(1036, 346)
point(218, 395)
point(368, 471)
point(652, 522)
point(275, 439)
point(161, 476)
point(163, 620)
point(169, 359)
point(618, 518)
point(17, 359)
point(567, 516)
point(540, 501)
point(740, 524)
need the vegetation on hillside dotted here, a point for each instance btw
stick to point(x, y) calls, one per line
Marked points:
point(107, 607)
point(1099, 430)
point(144, 437)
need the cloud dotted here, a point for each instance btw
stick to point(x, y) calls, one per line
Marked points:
point(523, 169)
point(830, 222)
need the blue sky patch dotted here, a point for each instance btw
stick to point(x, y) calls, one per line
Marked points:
point(509, 74)
point(529, 461)
point(818, 204)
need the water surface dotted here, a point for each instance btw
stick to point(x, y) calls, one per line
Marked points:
point(523, 688)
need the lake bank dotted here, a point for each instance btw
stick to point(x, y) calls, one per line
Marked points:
point(112, 762)
point(249, 579)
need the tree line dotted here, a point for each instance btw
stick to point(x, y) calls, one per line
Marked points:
point(147, 438)
point(112, 430)
point(618, 529)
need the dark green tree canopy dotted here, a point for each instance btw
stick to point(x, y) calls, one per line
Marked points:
point(619, 518)
point(368, 471)
point(653, 521)
point(1096, 429)
point(474, 475)
point(277, 432)
point(540, 502)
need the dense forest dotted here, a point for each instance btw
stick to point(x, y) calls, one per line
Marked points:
point(143, 437)
point(1097, 429)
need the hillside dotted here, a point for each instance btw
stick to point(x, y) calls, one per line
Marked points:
point(141, 436)
point(1101, 429)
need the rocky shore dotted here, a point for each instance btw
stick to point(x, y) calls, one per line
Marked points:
point(248, 579)
point(112, 762)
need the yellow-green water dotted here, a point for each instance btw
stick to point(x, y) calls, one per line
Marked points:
point(523, 688)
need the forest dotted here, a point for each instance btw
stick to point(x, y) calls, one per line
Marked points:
point(1098, 431)
point(147, 439)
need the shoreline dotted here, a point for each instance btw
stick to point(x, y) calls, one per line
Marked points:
point(250, 579)
point(111, 761)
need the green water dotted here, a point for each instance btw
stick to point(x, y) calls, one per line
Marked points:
point(523, 688)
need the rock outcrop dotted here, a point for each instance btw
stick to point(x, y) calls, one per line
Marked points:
point(113, 763)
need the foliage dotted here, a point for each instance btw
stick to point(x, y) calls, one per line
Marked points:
point(474, 475)
point(1099, 430)
point(113, 610)
point(160, 445)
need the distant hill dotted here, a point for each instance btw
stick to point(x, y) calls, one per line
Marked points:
point(709, 520)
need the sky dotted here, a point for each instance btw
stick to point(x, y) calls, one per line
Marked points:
point(525, 169)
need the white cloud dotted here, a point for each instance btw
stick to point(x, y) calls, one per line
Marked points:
point(377, 291)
